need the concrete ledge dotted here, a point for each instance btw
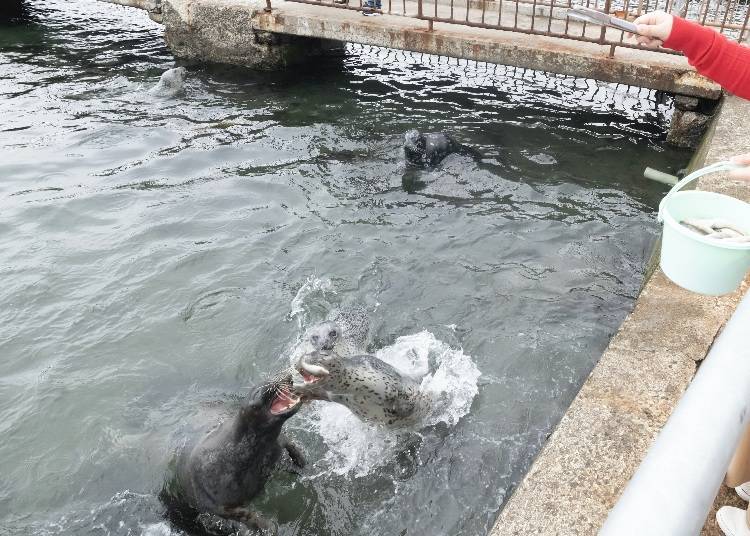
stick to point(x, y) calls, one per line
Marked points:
point(631, 392)
point(243, 33)
point(564, 56)
point(225, 31)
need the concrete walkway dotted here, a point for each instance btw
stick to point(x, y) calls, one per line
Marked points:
point(564, 56)
point(237, 32)
point(631, 392)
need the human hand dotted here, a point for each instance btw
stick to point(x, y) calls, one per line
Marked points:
point(742, 173)
point(653, 28)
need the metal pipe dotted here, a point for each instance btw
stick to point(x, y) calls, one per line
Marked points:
point(675, 485)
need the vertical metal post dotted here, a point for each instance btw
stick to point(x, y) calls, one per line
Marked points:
point(603, 33)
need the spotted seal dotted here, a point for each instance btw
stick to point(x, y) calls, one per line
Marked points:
point(215, 477)
point(346, 332)
point(371, 388)
point(170, 83)
point(354, 324)
point(427, 150)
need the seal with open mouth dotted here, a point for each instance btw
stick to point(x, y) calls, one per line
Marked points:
point(216, 477)
point(371, 388)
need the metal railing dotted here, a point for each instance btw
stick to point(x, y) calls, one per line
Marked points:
point(548, 17)
point(675, 485)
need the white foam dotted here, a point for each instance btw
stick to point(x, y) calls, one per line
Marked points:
point(311, 285)
point(158, 529)
point(353, 446)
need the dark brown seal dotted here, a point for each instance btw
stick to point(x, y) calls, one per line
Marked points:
point(216, 476)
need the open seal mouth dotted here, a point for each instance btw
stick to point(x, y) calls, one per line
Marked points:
point(284, 399)
point(310, 373)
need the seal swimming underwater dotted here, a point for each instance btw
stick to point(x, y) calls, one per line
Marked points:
point(216, 477)
point(371, 388)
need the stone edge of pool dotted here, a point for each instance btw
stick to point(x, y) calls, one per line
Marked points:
point(602, 438)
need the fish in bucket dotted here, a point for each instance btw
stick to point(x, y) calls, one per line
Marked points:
point(706, 237)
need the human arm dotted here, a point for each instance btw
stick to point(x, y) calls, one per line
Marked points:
point(713, 55)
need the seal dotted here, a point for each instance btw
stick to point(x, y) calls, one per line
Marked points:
point(345, 333)
point(354, 323)
point(371, 388)
point(170, 83)
point(215, 477)
point(324, 336)
point(429, 149)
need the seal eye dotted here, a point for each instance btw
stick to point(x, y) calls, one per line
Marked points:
point(315, 338)
point(332, 333)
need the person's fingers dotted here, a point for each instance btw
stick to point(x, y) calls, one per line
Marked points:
point(655, 17)
point(645, 19)
point(743, 173)
point(742, 159)
point(648, 41)
point(650, 30)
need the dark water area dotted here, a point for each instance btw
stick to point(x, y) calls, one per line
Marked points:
point(161, 254)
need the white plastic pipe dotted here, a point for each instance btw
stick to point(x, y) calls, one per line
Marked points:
point(675, 485)
point(660, 176)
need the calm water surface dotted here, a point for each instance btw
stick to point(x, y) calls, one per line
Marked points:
point(159, 255)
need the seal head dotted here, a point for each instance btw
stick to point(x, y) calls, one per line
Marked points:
point(324, 336)
point(217, 475)
point(428, 150)
point(170, 83)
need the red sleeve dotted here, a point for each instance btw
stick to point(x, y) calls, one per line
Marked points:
point(713, 55)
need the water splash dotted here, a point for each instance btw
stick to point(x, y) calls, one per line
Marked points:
point(310, 287)
point(160, 529)
point(356, 447)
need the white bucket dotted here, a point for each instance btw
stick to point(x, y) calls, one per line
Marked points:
point(703, 265)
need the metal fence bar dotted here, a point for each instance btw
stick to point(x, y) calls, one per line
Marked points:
point(724, 16)
point(744, 26)
point(675, 485)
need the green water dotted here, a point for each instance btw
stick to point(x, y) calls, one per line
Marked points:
point(159, 255)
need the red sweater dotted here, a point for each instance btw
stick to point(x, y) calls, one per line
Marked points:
point(713, 55)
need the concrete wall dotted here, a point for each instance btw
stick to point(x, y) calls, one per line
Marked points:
point(629, 395)
point(225, 31)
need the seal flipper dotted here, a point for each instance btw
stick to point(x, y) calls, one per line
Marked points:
point(239, 520)
point(216, 525)
point(295, 453)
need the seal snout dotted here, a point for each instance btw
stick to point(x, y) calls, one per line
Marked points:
point(284, 400)
point(324, 336)
point(311, 375)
